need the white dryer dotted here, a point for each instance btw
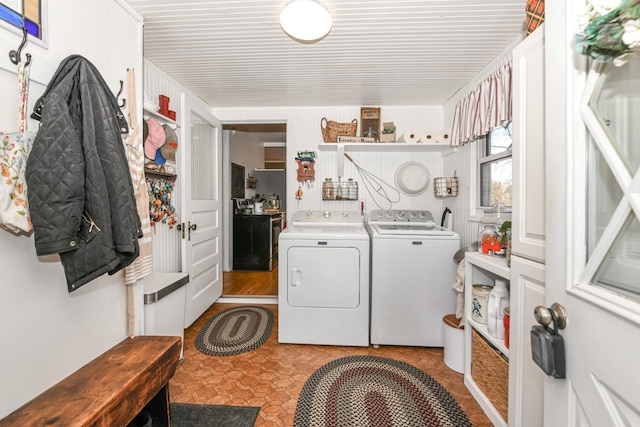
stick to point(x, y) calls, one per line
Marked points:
point(323, 279)
point(412, 273)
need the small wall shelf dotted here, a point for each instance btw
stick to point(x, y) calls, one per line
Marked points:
point(158, 174)
point(160, 118)
point(384, 146)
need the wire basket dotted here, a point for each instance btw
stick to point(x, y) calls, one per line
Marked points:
point(341, 190)
point(331, 129)
point(490, 371)
point(445, 187)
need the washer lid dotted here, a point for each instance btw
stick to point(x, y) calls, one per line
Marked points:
point(412, 178)
point(401, 229)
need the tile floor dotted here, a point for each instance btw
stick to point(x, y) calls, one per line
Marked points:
point(273, 375)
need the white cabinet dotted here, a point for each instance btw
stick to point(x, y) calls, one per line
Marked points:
point(528, 230)
point(526, 379)
point(485, 269)
point(526, 384)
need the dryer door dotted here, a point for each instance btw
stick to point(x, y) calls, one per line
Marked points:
point(323, 277)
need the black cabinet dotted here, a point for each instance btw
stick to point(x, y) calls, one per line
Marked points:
point(255, 240)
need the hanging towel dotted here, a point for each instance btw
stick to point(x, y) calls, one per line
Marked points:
point(458, 286)
point(143, 265)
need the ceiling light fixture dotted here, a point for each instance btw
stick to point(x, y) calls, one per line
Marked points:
point(306, 21)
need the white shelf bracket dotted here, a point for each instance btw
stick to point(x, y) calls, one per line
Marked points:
point(340, 159)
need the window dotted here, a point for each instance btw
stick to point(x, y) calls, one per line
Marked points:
point(495, 167)
point(23, 13)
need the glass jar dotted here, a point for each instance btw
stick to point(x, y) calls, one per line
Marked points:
point(489, 241)
point(352, 189)
point(490, 238)
point(328, 190)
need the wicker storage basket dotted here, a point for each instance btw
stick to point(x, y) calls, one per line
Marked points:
point(331, 129)
point(491, 373)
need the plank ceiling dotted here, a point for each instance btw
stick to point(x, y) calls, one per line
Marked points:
point(233, 53)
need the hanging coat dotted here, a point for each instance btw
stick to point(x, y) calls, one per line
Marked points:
point(82, 202)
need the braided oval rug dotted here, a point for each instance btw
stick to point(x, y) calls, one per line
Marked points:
point(375, 391)
point(235, 330)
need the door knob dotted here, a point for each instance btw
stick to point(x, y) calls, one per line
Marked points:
point(556, 313)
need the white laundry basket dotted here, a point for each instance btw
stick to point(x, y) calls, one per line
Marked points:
point(453, 343)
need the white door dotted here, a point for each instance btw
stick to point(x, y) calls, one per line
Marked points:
point(202, 232)
point(593, 211)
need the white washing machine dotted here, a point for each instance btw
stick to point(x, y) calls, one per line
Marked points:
point(412, 273)
point(323, 279)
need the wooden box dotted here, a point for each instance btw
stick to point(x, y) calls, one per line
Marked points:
point(370, 118)
point(388, 137)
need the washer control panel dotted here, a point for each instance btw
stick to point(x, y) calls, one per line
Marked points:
point(387, 216)
point(327, 218)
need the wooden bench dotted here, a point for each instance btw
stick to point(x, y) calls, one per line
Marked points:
point(110, 390)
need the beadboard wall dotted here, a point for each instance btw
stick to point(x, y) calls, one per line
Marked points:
point(167, 253)
point(459, 162)
point(304, 134)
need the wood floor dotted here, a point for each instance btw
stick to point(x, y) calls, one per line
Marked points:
point(272, 376)
point(250, 283)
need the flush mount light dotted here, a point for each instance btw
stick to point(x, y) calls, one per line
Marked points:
point(305, 20)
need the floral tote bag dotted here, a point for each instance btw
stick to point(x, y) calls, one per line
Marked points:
point(14, 150)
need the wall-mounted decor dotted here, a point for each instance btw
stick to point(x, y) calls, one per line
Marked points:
point(306, 172)
point(160, 191)
point(251, 182)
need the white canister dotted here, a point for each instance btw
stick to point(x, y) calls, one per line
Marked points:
point(257, 206)
point(480, 303)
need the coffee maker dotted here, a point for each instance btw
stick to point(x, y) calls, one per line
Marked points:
point(242, 206)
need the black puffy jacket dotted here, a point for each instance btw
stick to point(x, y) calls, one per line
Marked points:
point(80, 194)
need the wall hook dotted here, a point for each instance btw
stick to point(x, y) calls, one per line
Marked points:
point(14, 55)
point(124, 101)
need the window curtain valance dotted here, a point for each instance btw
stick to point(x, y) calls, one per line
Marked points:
point(484, 108)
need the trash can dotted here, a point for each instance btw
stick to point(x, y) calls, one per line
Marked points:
point(453, 343)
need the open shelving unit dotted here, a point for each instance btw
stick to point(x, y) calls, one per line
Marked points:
point(482, 269)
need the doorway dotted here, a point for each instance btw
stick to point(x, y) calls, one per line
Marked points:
point(259, 149)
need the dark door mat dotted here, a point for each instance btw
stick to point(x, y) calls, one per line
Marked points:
point(188, 415)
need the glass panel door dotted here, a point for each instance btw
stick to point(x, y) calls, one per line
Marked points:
point(612, 115)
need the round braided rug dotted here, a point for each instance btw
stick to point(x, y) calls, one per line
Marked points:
point(235, 330)
point(375, 391)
